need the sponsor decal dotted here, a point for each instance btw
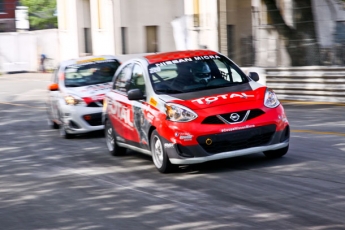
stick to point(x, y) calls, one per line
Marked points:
point(237, 128)
point(186, 136)
point(90, 60)
point(181, 60)
point(121, 113)
point(95, 88)
point(153, 102)
point(95, 98)
point(209, 100)
point(149, 117)
point(168, 145)
point(155, 69)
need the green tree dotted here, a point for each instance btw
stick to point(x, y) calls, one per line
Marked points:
point(300, 40)
point(41, 13)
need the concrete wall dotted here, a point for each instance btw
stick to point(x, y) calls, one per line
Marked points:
point(20, 51)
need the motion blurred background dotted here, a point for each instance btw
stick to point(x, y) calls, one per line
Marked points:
point(263, 34)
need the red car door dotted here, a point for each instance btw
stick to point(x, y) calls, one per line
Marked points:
point(119, 113)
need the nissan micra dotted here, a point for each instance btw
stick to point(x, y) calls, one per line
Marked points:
point(189, 107)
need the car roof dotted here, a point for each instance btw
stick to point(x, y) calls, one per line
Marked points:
point(87, 59)
point(166, 56)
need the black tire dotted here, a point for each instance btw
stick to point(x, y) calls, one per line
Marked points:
point(110, 139)
point(159, 155)
point(64, 133)
point(276, 153)
point(53, 124)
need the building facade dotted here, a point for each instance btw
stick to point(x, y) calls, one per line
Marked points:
point(7, 15)
point(128, 27)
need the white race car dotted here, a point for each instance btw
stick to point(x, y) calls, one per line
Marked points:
point(76, 94)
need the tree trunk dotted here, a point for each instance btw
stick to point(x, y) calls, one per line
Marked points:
point(300, 40)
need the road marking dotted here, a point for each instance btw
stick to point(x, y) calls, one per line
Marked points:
point(311, 102)
point(22, 105)
point(319, 132)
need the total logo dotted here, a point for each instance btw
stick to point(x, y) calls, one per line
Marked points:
point(209, 100)
point(121, 113)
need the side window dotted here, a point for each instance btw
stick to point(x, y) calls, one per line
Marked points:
point(224, 70)
point(231, 75)
point(123, 78)
point(137, 81)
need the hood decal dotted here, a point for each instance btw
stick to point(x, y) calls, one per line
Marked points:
point(210, 92)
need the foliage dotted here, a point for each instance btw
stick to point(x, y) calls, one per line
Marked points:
point(41, 13)
point(300, 39)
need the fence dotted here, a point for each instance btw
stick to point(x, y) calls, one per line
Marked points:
point(311, 83)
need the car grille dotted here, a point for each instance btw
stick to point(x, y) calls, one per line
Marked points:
point(236, 140)
point(96, 119)
point(96, 104)
point(244, 115)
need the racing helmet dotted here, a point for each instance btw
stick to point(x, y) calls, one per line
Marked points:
point(201, 72)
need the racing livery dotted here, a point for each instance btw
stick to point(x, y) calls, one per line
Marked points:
point(76, 94)
point(189, 107)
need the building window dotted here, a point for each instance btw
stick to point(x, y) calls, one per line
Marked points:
point(2, 6)
point(151, 39)
point(124, 39)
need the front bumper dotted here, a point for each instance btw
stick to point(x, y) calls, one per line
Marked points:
point(227, 145)
point(78, 120)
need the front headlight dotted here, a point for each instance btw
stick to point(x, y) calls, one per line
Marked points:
point(179, 113)
point(105, 104)
point(271, 99)
point(74, 100)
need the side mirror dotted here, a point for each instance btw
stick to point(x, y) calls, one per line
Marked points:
point(254, 76)
point(135, 94)
point(53, 87)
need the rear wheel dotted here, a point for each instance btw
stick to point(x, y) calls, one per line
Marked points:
point(159, 155)
point(110, 138)
point(276, 153)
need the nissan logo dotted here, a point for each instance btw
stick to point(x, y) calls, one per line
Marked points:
point(234, 116)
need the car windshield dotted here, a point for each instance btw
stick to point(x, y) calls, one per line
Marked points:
point(194, 74)
point(90, 73)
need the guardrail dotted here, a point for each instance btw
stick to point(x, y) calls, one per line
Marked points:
point(317, 84)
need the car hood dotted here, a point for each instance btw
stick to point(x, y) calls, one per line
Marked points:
point(90, 90)
point(220, 96)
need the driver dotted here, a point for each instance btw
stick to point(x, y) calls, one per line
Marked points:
point(201, 72)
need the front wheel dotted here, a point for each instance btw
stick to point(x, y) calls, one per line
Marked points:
point(159, 155)
point(110, 137)
point(64, 133)
point(276, 153)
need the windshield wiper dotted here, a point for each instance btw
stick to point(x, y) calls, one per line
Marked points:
point(169, 91)
point(73, 85)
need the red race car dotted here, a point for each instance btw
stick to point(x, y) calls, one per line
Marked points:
point(189, 107)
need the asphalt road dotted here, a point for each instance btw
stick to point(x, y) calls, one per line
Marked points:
point(47, 182)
